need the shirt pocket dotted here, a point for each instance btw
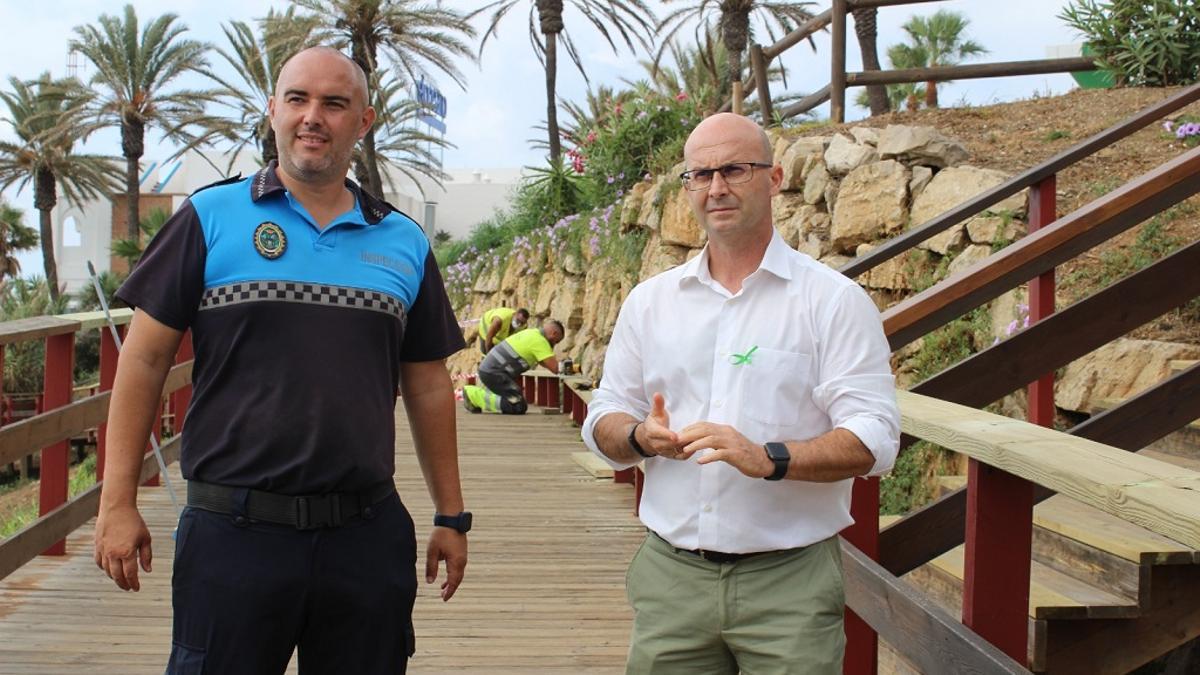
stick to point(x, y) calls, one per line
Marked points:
point(776, 386)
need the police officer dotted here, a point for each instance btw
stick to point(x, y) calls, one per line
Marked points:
point(500, 392)
point(498, 323)
point(310, 304)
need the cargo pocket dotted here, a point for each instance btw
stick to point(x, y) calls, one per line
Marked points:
point(185, 660)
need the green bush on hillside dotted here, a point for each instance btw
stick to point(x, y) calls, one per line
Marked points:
point(1142, 42)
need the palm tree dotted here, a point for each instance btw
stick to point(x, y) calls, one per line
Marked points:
point(865, 31)
point(132, 70)
point(15, 236)
point(400, 145)
point(48, 117)
point(733, 20)
point(906, 95)
point(628, 19)
point(414, 35)
point(941, 36)
point(257, 59)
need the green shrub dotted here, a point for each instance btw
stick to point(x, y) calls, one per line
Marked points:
point(23, 361)
point(1141, 42)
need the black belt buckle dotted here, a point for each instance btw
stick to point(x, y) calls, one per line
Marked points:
point(316, 512)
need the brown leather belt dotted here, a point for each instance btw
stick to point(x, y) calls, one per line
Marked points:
point(719, 557)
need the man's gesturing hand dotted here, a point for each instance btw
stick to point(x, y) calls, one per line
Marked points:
point(122, 542)
point(728, 445)
point(655, 435)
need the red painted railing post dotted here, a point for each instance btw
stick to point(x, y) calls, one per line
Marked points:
point(542, 394)
point(529, 388)
point(108, 374)
point(862, 643)
point(181, 398)
point(999, 529)
point(552, 386)
point(59, 378)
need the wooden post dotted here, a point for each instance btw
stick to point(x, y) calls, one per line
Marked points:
point(837, 75)
point(543, 391)
point(529, 388)
point(1042, 212)
point(552, 391)
point(758, 61)
point(182, 398)
point(737, 94)
point(862, 643)
point(108, 373)
point(578, 409)
point(60, 365)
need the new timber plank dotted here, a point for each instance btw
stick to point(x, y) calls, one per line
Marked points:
point(544, 590)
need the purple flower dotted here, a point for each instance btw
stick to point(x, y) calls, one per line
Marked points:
point(1168, 126)
point(610, 180)
point(1012, 328)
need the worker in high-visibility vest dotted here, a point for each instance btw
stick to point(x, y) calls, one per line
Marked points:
point(497, 324)
point(501, 393)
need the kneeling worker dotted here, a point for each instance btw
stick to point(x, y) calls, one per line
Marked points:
point(501, 393)
point(497, 324)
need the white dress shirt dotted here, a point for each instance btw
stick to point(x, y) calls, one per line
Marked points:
point(819, 362)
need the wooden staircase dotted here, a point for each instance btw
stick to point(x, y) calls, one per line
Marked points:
point(1088, 566)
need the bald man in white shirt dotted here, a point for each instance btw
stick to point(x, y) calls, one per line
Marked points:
point(750, 362)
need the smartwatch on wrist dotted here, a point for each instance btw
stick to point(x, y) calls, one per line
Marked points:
point(460, 522)
point(633, 442)
point(778, 453)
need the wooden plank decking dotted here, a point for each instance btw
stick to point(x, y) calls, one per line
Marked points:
point(544, 590)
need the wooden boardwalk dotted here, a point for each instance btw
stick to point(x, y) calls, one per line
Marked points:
point(544, 590)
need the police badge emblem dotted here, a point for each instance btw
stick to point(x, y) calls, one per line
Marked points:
point(269, 240)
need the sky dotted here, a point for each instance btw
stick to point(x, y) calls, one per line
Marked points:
point(491, 120)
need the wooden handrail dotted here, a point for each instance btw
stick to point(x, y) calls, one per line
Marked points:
point(1155, 495)
point(35, 328)
point(971, 71)
point(30, 435)
point(57, 524)
point(1101, 219)
point(1055, 164)
point(929, 638)
point(90, 320)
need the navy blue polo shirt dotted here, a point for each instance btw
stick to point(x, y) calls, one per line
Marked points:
point(297, 356)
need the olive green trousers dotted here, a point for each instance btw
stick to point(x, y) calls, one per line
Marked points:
point(772, 614)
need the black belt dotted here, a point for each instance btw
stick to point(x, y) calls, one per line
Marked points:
point(719, 557)
point(301, 512)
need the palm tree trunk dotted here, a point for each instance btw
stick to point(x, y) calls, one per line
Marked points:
point(133, 140)
point(44, 199)
point(931, 97)
point(551, 104)
point(374, 184)
point(270, 151)
point(865, 31)
point(367, 172)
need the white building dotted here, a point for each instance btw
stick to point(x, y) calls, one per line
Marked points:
point(86, 233)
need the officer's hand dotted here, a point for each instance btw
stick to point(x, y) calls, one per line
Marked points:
point(728, 445)
point(655, 435)
point(122, 542)
point(447, 544)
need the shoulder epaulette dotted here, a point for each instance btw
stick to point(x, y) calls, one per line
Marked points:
point(226, 181)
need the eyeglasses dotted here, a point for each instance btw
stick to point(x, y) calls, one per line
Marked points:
point(733, 174)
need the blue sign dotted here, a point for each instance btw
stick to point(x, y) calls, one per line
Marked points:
point(431, 99)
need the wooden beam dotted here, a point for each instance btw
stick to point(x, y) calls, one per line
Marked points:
point(29, 435)
point(758, 64)
point(979, 203)
point(26, 544)
point(971, 71)
point(1069, 334)
point(801, 33)
point(837, 63)
point(1068, 236)
point(805, 104)
point(1158, 496)
point(90, 320)
point(918, 629)
point(868, 4)
point(35, 328)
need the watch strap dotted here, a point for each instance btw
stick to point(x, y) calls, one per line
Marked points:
point(778, 453)
point(460, 522)
point(633, 442)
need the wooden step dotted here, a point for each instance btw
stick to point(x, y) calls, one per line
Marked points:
point(1179, 365)
point(1052, 594)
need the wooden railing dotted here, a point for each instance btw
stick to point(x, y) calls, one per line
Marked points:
point(834, 18)
point(62, 419)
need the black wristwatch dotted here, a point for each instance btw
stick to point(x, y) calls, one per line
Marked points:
point(779, 454)
point(461, 522)
point(633, 442)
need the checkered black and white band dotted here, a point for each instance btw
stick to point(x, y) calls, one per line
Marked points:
point(291, 291)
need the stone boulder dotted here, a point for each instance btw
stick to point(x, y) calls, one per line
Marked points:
point(951, 187)
point(920, 145)
point(899, 273)
point(872, 202)
point(815, 184)
point(844, 155)
point(658, 257)
point(631, 208)
point(798, 161)
point(1117, 371)
point(921, 175)
point(679, 225)
point(969, 256)
point(865, 136)
point(488, 280)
